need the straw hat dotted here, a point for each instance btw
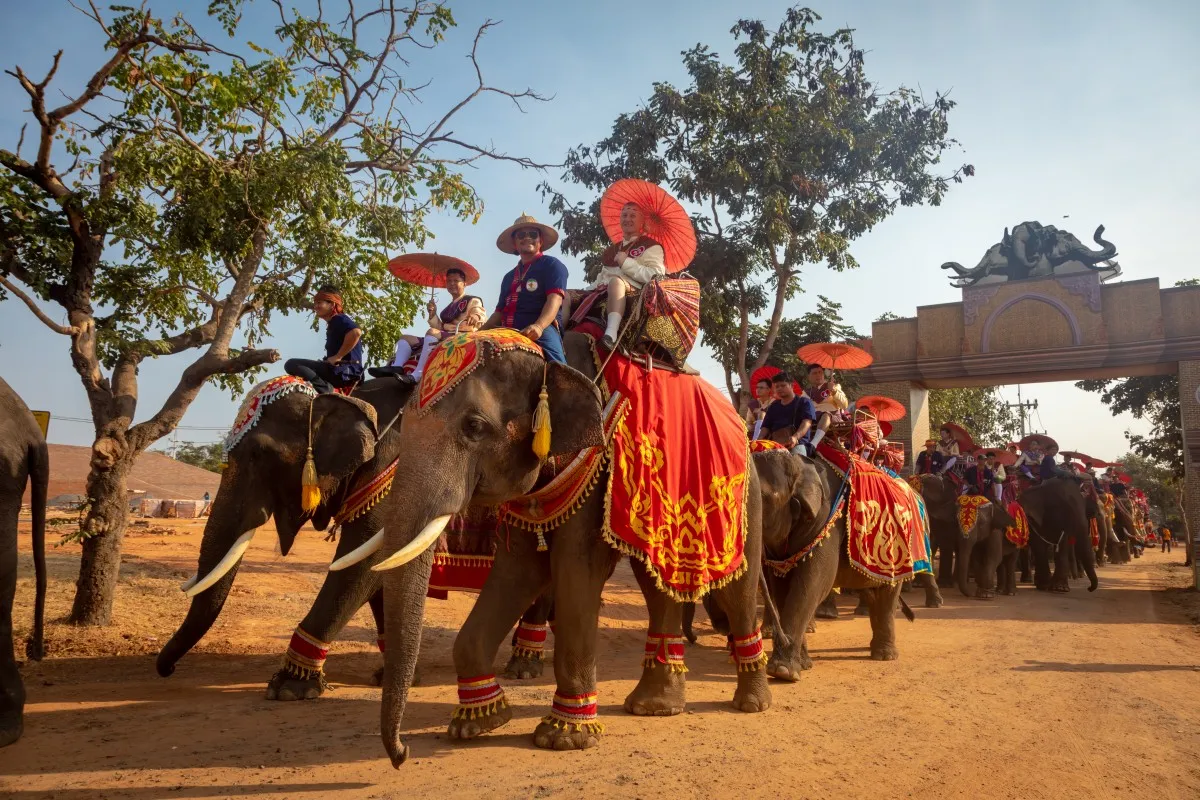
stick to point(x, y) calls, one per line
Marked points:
point(505, 241)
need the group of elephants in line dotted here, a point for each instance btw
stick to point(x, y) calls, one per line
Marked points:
point(474, 451)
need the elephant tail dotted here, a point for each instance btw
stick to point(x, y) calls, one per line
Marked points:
point(39, 473)
point(772, 614)
point(907, 610)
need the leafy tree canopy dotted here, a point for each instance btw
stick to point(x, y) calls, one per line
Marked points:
point(980, 410)
point(205, 456)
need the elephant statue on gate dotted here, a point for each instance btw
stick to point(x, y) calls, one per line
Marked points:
point(797, 500)
point(345, 450)
point(1058, 521)
point(475, 435)
point(980, 551)
point(23, 461)
point(1034, 250)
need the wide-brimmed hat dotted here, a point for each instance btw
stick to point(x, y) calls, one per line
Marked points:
point(505, 241)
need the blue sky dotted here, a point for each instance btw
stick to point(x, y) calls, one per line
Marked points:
point(1079, 109)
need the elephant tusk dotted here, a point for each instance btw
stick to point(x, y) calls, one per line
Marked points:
point(416, 547)
point(231, 558)
point(359, 553)
point(189, 583)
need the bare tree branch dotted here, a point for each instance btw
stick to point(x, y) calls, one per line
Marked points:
point(65, 330)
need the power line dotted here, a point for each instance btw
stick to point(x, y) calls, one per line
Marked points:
point(221, 429)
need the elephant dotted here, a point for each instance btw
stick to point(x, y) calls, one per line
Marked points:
point(1058, 520)
point(23, 461)
point(476, 441)
point(1034, 250)
point(797, 499)
point(980, 551)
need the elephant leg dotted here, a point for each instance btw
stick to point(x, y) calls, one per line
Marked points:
point(988, 557)
point(739, 598)
point(581, 562)
point(1025, 563)
point(883, 600)
point(376, 604)
point(1060, 581)
point(863, 609)
point(529, 640)
point(12, 690)
point(689, 614)
point(933, 596)
point(519, 574)
point(806, 586)
point(661, 692)
point(945, 576)
point(828, 608)
point(302, 676)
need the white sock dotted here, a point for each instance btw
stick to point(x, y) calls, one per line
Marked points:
point(430, 343)
point(614, 325)
point(403, 353)
point(817, 437)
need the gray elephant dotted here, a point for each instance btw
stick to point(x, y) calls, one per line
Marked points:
point(476, 444)
point(798, 498)
point(1034, 250)
point(1058, 524)
point(23, 461)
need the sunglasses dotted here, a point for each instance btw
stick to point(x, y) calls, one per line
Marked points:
point(527, 234)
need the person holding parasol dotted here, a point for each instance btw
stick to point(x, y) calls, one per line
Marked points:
point(342, 365)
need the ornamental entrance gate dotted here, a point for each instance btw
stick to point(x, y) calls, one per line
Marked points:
point(1067, 326)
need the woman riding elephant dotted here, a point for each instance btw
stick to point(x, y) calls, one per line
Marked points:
point(23, 462)
point(479, 404)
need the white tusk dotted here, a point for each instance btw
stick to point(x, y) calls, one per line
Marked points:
point(189, 583)
point(425, 539)
point(232, 557)
point(359, 553)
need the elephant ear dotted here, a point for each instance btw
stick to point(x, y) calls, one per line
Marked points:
point(575, 410)
point(343, 435)
point(808, 491)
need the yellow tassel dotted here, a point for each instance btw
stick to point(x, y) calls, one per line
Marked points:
point(310, 492)
point(541, 425)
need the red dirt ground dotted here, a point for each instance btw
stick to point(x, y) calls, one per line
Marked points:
point(1037, 696)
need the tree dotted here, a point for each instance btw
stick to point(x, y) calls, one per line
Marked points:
point(205, 456)
point(190, 191)
point(822, 324)
point(1157, 480)
point(981, 411)
point(787, 155)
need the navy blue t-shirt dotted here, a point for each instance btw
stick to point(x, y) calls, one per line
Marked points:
point(788, 416)
point(350, 367)
point(524, 290)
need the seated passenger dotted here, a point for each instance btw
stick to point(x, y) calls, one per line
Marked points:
point(464, 314)
point(828, 397)
point(1049, 469)
point(978, 478)
point(948, 447)
point(628, 266)
point(763, 397)
point(342, 365)
point(532, 292)
point(930, 460)
point(789, 420)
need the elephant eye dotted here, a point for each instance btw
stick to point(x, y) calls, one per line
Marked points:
point(474, 427)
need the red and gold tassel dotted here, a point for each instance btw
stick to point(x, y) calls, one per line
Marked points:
point(748, 652)
point(574, 713)
point(479, 697)
point(305, 655)
point(531, 640)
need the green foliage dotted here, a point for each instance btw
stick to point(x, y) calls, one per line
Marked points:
point(205, 456)
point(823, 324)
point(1158, 481)
point(980, 410)
point(787, 154)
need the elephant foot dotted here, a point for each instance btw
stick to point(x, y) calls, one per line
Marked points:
point(470, 724)
point(553, 734)
point(884, 652)
point(377, 678)
point(753, 693)
point(524, 665)
point(934, 602)
point(10, 730)
point(812, 627)
point(660, 693)
point(788, 669)
point(827, 610)
point(286, 685)
point(1009, 592)
point(1060, 588)
point(984, 594)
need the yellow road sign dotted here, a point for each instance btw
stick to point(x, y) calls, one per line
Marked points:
point(43, 421)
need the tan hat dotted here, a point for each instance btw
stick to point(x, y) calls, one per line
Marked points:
point(505, 241)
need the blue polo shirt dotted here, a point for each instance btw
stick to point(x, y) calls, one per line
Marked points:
point(350, 368)
point(524, 290)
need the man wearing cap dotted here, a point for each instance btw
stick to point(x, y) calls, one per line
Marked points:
point(342, 365)
point(532, 292)
point(930, 460)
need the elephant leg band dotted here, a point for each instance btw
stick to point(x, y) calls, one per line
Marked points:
point(305, 655)
point(531, 640)
point(664, 649)
point(575, 712)
point(479, 697)
point(748, 652)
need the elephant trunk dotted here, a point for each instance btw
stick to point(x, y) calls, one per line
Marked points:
point(957, 267)
point(962, 565)
point(1087, 556)
point(1091, 257)
point(404, 608)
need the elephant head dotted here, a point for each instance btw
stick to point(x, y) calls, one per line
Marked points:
point(796, 500)
point(262, 480)
point(476, 446)
point(1067, 248)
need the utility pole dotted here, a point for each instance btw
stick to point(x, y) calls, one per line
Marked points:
point(1022, 407)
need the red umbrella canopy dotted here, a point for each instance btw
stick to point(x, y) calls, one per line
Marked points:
point(1005, 458)
point(1077, 456)
point(965, 443)
point(666, 221)
point(767, 372)
point(834, 356)
point(429, 269)
point(885, 429)
point(1037, 441)
point(884, 408)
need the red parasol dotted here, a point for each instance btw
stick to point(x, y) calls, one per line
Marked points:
point(666, 221)
point(1005, 458)
point(1123, 478)
point(1037, 441)
point(429, 269)
point(834, 356)
point(965, 442)
point(767, 372)
point(884, 408)
point(1077, 456)
point(885, 429)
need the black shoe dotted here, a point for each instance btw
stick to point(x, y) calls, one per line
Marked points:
point(608, 343)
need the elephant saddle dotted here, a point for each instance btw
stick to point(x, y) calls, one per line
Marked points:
point(887, 529)
point(1017, 534)
point(663, 318)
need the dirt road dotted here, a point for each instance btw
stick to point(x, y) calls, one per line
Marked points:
point(1037, 696)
